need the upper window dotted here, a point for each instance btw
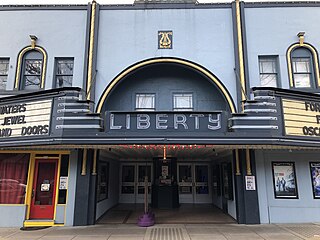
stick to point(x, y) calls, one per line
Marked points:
point(145, 102)
point(32, 70)
point(302, 68)
point(64, 72)
point(268, 69)
point(182, 102)
point(302, 72)
point(4, 68)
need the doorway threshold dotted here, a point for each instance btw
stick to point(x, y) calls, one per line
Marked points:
point(41, 223)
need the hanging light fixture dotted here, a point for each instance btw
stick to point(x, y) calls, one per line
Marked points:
point(164, 152)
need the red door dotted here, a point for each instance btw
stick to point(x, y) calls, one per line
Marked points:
point(44, 189)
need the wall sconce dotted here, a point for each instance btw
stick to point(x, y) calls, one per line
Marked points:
point(33, 40)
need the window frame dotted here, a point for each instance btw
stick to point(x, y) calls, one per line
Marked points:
point(20, 64)
point(302, 50)
point(55, 74)
point(24, 75)
point(39, 56)
point(136, 108)
point(277, 67)
point(5, 75)
point(310, 73)
point(189, 109)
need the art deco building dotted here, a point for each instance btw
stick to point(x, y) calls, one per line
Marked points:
point(216, 104)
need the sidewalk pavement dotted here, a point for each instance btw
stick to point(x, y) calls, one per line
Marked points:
point(169, 232)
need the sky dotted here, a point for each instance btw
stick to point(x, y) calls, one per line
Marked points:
point(21, 2)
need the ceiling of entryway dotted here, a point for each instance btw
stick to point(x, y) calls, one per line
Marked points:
point(151, 151)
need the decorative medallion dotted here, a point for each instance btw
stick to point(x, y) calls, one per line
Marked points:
point(165, 39)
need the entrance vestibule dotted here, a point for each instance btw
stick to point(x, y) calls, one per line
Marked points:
point(190, 171)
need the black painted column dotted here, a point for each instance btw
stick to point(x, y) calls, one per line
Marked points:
point(246, 200)
point(85, 199)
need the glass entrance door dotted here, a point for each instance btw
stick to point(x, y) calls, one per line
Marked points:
point(127, 186)
point(194, 183)
point(185, 178)
point(132, 182)
point(202, 189)
point(143, 170)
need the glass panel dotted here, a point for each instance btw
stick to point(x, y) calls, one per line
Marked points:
point(65, 67)
point(127, 189)
point(301, 80)
point(145, 101)
point(182, 101)
point(267, 65)
point(127, 173)
point(45, 184)
point(144, 171)
point(201, 179)
point(4, 66)
point(3, 82)
point(185, 190)
point(32, 82)
point(141, 190)
point(64, 81)
point(201, 173)
point(13, 178)
point(268, 80)
point(33, 67)
point(301, 65)
point(185, 173)
point(202, 190)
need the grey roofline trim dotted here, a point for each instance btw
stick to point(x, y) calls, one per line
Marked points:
point(281, 4)
point(41, 7)
point(151, 6)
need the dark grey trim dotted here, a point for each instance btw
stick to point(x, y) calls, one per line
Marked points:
point(85, 197)
point(30, 94)
point(236, 56)
point(293, 93)
point(41, 7)
point(280, 4)
point(64, 142)
point(164, 6)
point(86, 49)
point(247, 203)
point(245, 49)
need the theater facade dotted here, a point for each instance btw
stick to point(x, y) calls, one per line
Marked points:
point(200, 104)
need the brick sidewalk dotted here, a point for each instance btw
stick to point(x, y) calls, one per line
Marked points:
point(169, 232)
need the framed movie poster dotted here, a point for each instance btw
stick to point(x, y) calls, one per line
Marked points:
point(315, 178)
point(284, 180)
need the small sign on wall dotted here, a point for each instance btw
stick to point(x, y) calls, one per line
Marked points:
point(45, 187)
point(250, 183)
point(63, 183)
point(165, 39)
